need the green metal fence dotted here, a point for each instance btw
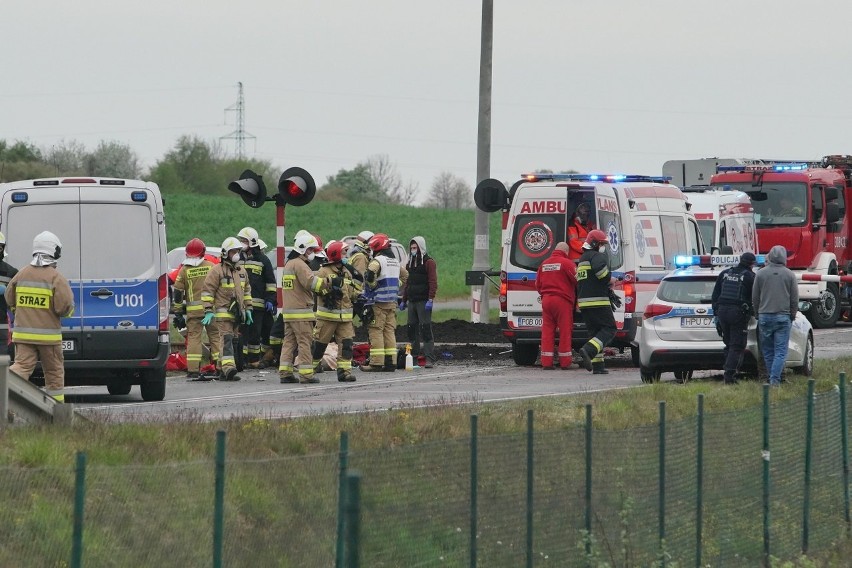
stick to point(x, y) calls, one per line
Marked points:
point(722, 489)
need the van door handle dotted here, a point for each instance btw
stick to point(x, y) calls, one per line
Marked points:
point(102, 293)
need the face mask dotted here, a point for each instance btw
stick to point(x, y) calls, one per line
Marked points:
point(602, 248)
point(311, 255)
point(235, 258)
point(245, 246)
point(413, 251)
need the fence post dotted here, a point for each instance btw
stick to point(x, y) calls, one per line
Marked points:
point(844, 437)
point(474, 482)
point(529, 488)
point(806, 502)
point(766, 487)
point(79, 507)
point(662, 475)
point(343, 462)
point(699, 484)
point(353, 519)
point(219, 501)
point(588, 481)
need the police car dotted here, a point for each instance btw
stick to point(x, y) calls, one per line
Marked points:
point(677, 332)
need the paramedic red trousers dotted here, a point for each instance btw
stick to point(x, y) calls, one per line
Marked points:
point(557, 313)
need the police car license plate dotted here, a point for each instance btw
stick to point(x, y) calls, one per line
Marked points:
point(68, 345)
point(529, 322)
point(696, 321)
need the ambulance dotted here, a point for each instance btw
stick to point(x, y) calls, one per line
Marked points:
point(647, 221)
point(725, 217)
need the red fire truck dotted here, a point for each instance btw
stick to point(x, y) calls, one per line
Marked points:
point(803, 206)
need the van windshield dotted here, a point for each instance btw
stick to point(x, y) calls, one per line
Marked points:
point(708, 232)
point(117, 239)
point(777, 204)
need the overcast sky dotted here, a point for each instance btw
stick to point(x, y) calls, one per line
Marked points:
point(599, 86)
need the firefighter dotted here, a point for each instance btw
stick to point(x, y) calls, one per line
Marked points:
point(226, 297)
point(384, 277)
point(299, 284)
point(579, 229)
point(40, 296)
point(263, 293)
point(596, 300)
point(7, 272)
point(731, 301)
point(556, 281)
point(189, 309)
point(360, 256)
point(334, 312)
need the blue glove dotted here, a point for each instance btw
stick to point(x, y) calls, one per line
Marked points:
point(2, 288)
point(270, 307)
point(249, 317)
point(428, 305)
point(208, 317)
point(402, 305)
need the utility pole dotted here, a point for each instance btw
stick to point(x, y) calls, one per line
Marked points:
point(481, 262)
point(240, 133)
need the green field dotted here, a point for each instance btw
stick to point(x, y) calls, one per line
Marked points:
point(448, 233)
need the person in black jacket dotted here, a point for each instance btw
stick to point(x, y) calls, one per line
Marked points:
point(264, 295)
point(595, 299)
point(7, 272)
point(732, 307)
point(419, 295)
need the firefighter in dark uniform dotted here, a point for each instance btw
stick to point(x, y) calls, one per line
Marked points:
point(7, 272)
point(596, 300)
point(263, 292)
point(732, 307)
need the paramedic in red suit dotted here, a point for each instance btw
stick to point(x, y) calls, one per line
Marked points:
point(556, 281)
point(578, 230)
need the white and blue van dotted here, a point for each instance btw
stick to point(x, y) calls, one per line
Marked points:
point(114, 256)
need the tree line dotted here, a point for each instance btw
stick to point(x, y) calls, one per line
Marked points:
point(194, 165)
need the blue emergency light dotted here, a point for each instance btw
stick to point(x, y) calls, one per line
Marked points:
point(596, 177)
point(708, 260)
point(778, 167)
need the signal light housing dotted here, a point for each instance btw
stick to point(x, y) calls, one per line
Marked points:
point(250, 188)
point(296, 187)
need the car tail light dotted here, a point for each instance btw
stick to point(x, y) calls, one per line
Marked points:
point(163, 302)
point(653, 310)
point(629, 292)
point(504, 289)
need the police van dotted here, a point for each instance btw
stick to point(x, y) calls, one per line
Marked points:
point(725, 217)
point(646, 219)
point(114, 256)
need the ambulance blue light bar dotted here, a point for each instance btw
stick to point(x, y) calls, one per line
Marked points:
point(595, 177)
point(708, 260)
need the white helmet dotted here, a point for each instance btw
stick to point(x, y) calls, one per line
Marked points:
point(304, 241)
point(261, 244)
point(47, 243)
point(365, 236)
point(229, 244)
point(250, 235)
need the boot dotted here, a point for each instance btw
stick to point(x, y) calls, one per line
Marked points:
point(390, 364)
point(599, 369)
point(345, 376)
point(288, 378)
point(586, 362)
point(308, 379)
point(370, 368)
point(269, 358)
point(231, 375)
point(317, 351)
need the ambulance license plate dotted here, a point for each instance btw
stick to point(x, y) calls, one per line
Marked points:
point(696, 321)
point(68, 345)
point(529, 322)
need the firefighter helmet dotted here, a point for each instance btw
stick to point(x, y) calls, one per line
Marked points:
point(229, 244)
point(195, 248)
point(379, 241)
point(321, 250)
point(47, 243)
point(596, 238)
point(304, 241)
point(250, 235)
point(336, 250)
point(365, 236)
point(261, 244)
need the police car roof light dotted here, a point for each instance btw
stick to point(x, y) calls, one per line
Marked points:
point(710, 260)
point(596, 177)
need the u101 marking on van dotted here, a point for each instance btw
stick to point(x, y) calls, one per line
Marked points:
point(129, 300)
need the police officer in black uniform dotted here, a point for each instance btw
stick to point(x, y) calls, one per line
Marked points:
point(732, 307)
point(596, 300)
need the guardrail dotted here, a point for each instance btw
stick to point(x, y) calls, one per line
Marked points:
point(22, 403)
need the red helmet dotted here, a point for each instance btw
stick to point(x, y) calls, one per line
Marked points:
point(596, 238)
point(336, 250)
point(195, 248)
point(379, 241)
point(319, 240)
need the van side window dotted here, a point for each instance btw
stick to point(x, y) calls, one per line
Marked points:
point(723, 235)
point(609, 224)
point(674, 239)
point(694, 238)
point(534, 238)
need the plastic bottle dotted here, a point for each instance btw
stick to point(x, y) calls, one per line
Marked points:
point(409, 360)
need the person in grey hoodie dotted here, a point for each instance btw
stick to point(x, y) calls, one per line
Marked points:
point(418, 295)
point(775, 296)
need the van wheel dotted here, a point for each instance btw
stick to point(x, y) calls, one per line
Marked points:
point(825, 310)
point(524, 354)
point(153, 385)
point(649, 375)
point(121, 388)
